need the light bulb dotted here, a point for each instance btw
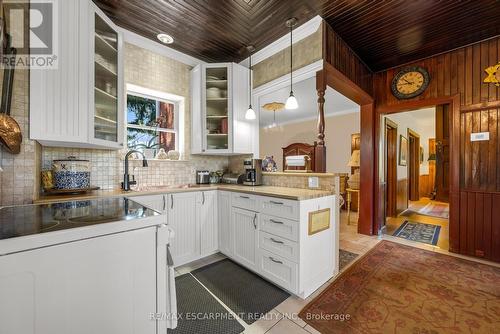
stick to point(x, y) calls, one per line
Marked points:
point(250, 114)
point(291, 102)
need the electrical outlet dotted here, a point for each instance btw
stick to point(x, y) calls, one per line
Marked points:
point(313, 182)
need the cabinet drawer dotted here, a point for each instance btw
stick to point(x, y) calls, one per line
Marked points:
point(279, 246)
point(244, 201)
point(280, 227)
point(278, 270)
point(278, 207)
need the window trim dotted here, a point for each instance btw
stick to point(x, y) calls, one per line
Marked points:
point(179, 107)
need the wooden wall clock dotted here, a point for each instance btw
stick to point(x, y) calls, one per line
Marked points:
point(410, 82)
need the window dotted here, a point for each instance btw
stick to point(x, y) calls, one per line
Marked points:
point(152, 121)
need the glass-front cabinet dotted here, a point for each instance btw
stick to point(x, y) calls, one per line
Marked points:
point(107, 128)
point(219, 101)
point(217, 108)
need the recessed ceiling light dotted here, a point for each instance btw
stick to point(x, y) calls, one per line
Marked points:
point(165, 39)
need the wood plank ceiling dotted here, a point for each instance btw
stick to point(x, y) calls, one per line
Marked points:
point(383, 33)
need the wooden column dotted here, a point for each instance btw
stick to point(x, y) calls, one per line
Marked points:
point(320, 148)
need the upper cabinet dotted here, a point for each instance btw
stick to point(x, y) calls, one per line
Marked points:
point(219, 100)
point(80, 104)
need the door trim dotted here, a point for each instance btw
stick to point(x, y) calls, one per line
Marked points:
point(413, 169)
point(391, 181)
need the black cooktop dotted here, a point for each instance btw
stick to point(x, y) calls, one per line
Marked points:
point(17, 221)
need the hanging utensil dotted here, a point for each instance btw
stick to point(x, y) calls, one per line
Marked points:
point(10, 132)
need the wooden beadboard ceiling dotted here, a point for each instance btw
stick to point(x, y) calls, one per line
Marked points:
point(383, 33)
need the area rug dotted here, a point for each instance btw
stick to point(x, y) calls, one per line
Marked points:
point(245, 293)
point(345, 258)
point(420, 232)
point(396, 288)
point(436, 209)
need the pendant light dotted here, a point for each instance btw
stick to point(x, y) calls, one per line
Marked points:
point(291, 102)
point(250, 114)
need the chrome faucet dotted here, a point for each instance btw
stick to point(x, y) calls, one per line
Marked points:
point(126, 178)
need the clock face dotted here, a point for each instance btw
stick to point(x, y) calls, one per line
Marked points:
point(410, 82)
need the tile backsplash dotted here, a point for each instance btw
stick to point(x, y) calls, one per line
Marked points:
point(108, 167)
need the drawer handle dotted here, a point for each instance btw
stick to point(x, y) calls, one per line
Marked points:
point(275, 261)
point(277, 241)
point(277, 203)
point(245, 197)
point(254, 221)
point(164, 202)
point(276, 222)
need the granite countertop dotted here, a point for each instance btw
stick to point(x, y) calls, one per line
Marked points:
point(280, 192)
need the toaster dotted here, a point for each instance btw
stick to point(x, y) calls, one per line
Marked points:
point(202, 177)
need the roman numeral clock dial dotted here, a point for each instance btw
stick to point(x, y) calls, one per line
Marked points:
point(410, 82)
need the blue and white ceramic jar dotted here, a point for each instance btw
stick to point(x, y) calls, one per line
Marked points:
point(71, 173)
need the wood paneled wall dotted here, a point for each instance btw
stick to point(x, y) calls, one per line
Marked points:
point(340, 55)
point(462, 72)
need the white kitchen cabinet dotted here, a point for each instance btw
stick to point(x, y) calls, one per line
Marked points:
point(219, 100)
point(155, 202)
point(104, 284)
point(207, 213)
point(80, 103)
point(225, 225)
point(245, 236)
point(183, 218)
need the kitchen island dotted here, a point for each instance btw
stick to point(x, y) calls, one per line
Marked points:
point(97, 266)
point(289, 236)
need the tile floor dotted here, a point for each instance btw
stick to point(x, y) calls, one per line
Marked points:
point(284, 318)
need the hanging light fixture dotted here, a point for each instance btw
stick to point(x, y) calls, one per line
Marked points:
point(273, 106)
point(250, 114)
point(291, 102)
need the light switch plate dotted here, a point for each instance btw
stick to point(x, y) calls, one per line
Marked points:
point(479, 136)
point(313, 182)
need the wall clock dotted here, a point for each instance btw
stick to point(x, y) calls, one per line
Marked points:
point(410, 82)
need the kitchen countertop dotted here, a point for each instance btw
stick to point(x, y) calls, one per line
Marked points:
point(280, 192)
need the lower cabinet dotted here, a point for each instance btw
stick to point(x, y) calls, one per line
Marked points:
point(207, 216)
point(183, 219)
point(225, 227)
point(245, 236)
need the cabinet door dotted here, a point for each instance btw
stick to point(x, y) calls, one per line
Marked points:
point(225, 226)
point(103, 285)
point(57, 113)
point(244, 224)
point(207, 202)
point(182, 218)
point(197, 132)
point(106, 93)
point(243, 129)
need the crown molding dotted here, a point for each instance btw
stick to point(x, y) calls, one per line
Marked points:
point(145, 43)
point(312, 118)
point(303, 31)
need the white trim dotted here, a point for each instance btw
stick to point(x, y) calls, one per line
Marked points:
point(301, 74)
point(177, 100)
point(145, 43)
point(303, 31)
point(311, 118)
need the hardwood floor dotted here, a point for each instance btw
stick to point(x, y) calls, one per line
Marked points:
point(393, 223)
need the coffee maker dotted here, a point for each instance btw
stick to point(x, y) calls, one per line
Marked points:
point(253, 172)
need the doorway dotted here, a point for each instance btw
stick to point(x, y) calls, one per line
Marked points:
point(390, 167)
point(410, 176)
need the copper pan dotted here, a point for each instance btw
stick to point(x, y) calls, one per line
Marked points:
point(10, 132)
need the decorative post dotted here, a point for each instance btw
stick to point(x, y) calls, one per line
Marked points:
point(320, 149)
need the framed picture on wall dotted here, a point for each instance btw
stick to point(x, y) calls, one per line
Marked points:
point(403, 150)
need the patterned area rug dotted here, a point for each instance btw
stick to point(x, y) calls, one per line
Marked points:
point(436, 209)
point(420, 232)
point(345, 258)
point(396, 288)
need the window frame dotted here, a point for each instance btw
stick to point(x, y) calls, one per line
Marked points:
point(176, 101)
